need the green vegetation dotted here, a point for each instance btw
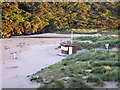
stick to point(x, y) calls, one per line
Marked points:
point(109, 63)
point(107, 32)
point(96, 80)
point(39, 17)
point(111, 75)
point(77, 82)
point(53, 84)
point(96, 38)
point(83, 70)
point(104, 32)
point(70, 72)
point(96, 42)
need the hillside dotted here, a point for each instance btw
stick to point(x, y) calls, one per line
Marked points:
point(39, 17)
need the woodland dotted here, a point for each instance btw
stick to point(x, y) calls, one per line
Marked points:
point(20, 18)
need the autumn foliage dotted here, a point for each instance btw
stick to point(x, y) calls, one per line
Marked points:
point(39, 17)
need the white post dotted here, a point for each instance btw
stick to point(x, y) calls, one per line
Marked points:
point(70, 50)
point(107, 46)
point(71, 37)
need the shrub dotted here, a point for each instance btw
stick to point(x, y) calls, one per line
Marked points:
point(101, 56)
point(95, 79)
point(107, 68)
point(75, 65)
point(92, 78)
point(111, 75)
point(99, 70)
point(112, 43)
point(86, 56)
point(99, 42)
point(107, 63)
point(77, 82)
point(53, 84)
point(85, 38)
point(95, 38)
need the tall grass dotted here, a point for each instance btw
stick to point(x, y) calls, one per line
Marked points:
point(77, 82)
point(74, 68)
point(111, 75)
point(98, 42)
point(95, 38)
point(96, 80)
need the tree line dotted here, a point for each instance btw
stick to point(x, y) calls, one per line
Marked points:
point(39, 17)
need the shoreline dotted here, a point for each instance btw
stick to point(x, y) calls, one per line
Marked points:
point(33, 55)
point(29, 51)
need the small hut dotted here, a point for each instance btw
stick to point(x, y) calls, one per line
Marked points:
point(69, 48)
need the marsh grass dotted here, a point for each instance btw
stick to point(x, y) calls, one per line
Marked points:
point(98, 70)
point(95, 38)
point(108, 32)
point(104, 66)
point(107, 63)
point(77, 82)
point(112, 75)
point(96, 79)
point(98, 42)
point(53, 84)
point(74, 67)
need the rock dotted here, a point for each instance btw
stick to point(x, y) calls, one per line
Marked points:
point(66, 78)
point(88, 71)
point(85, 77)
